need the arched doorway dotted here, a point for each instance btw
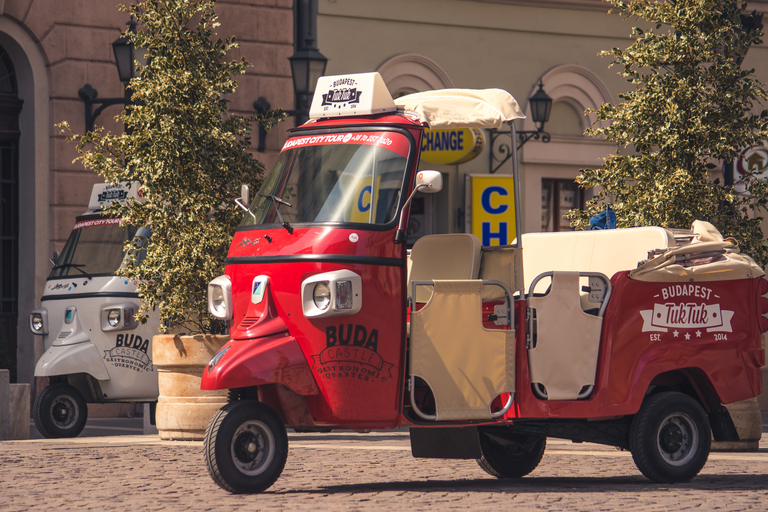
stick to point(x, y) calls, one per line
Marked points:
point(10, 108)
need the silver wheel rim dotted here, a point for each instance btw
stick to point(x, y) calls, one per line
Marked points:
point(64, 411)
point(677, 439)
point(253, 447)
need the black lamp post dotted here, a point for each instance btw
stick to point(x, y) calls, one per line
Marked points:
point(307, 65)
point(541, 106)
point(125, 55)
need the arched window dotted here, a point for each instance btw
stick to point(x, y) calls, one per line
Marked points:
point(410, 72)
point(8, 86)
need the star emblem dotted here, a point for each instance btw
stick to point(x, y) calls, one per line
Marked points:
point(687, 336)
point(698, 334)
point(676, 333)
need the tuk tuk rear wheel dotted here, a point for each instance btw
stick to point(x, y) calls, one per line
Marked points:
point(245, 447)
point(60, 411)
point(670, 438)
point(510, 456)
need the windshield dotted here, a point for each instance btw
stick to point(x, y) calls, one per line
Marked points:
point(347, 177)
point(95, 247)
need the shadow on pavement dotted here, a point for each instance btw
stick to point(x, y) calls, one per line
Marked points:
point(617, 484)
point(101, 427)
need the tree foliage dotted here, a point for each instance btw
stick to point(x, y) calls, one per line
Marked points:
point(692, 107)
point(189, 154)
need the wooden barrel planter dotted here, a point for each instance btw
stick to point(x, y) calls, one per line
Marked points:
point(183, 409)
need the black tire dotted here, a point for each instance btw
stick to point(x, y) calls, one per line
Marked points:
point(670, 438)
point(60, 411)
point(245, 447)
point(510, 455)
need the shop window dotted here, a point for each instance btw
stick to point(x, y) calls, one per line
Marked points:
point(557, 197)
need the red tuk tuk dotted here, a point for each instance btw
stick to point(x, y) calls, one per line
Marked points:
point(334, 324)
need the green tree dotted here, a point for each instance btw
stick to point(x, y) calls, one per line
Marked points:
point(691, 108)
point(189, 154)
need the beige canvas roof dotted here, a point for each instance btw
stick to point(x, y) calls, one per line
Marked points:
point(462, 108)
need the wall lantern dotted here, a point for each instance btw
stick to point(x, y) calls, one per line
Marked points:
point(541, 106)
point(125, 60)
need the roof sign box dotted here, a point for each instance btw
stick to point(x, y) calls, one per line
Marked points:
point(359, 94)
point(451, 146)
point(104, 194)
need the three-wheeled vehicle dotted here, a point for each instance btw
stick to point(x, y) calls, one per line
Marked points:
point(335, 325)
point(96, 351)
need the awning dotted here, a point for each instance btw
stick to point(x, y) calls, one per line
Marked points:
point(468, 108)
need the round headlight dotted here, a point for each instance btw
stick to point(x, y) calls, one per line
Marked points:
point(37, 322)
point(113, 317)
point(322, 296)
point(218, 304)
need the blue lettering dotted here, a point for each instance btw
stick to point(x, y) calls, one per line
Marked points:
point(428, 141)
point(500, 235)
point(360, 206)
point(485, 200)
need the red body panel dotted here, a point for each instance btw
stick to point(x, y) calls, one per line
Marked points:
point(653, 328)
point(354, 360)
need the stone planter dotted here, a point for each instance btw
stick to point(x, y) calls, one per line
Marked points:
point(749, 424)
point(183, 409)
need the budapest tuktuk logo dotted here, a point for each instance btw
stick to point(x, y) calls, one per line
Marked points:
point(687, 311)
point(351, 352)
point(343, 93)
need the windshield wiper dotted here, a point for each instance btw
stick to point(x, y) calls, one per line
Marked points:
point(277, 200)
point(76, 266)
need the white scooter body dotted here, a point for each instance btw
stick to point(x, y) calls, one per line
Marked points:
point(81, 340)
point(87, 317)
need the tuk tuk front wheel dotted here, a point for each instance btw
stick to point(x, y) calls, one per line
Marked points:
point(510, 455)
point(245, 447)
point(670, 438)
point(60, 411)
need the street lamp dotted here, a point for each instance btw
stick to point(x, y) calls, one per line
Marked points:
point(541, 106)
point(307, 66)
point(125, 56)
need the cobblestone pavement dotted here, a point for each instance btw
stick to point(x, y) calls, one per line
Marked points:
point(357, 472)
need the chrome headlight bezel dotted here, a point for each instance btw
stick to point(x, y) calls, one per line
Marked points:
point(119, 317)
point(345, 290)
point(39, 318)
point(220, 297)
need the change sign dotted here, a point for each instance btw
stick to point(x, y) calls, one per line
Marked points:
point(493, 209)
point(451, 146)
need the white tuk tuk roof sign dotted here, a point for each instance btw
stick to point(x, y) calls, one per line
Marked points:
point(366, 94)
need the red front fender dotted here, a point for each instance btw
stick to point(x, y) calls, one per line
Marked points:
point(274, 359)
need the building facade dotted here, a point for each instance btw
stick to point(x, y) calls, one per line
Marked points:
point(49, 50)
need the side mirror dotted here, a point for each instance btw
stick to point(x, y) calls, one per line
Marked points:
point(244, 200)
point(54, 258)
point(429, 182)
